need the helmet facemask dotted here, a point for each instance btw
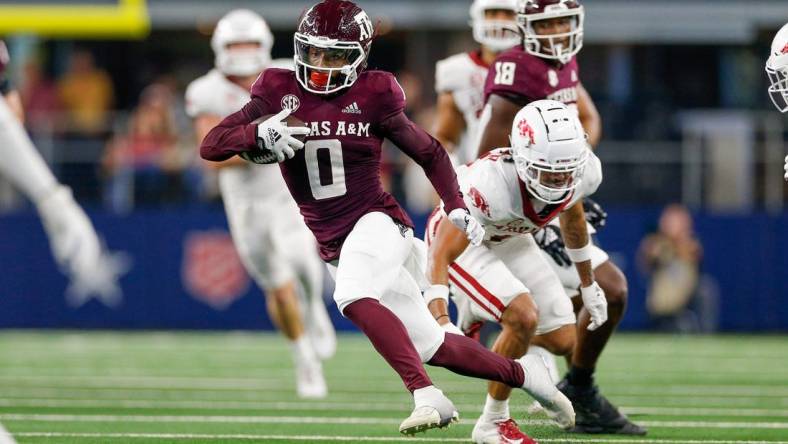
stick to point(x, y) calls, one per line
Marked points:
point(242, 44)
point(777, 70)
point(325, 66)
point(494, 33)
point(551, 182)
point(243, 58)
point(560, 46)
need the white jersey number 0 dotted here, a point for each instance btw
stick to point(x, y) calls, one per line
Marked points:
point(336, 187)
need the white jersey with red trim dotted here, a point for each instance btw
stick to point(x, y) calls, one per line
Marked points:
point(463, 76)
point(499, 200)
point(215, 94)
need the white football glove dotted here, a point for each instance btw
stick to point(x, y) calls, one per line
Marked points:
point(275, 135)
point(594, 301)
point(786, 167)
point(463, 220)
point(451, 328)
point(78, 250)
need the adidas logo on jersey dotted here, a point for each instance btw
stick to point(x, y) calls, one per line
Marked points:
point(352, 109)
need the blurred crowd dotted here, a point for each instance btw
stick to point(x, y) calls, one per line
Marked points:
point(147, 155)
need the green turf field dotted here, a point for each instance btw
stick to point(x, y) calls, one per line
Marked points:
point(183, 387)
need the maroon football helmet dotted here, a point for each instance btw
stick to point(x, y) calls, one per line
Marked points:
point(561, 46)
point(332, 45)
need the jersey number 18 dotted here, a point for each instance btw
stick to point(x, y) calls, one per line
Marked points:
point(504, 73)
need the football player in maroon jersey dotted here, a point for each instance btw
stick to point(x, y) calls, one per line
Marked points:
point(545, 67)
point(363, 234)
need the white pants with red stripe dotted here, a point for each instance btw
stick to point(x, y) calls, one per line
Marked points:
point(383, 261)
point(485, 279)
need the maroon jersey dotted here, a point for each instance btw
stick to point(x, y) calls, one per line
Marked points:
point(335, 179)
point(524, 78)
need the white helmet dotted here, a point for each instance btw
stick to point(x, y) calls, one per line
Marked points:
point(531, 11)
point(549, 149)
point(497, 35)
point(777, 69)
point(242, 26)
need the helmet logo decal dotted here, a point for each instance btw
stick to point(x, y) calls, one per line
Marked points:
point(526, 131)
point(364, 24)
point(290, 102)
point(785, 49)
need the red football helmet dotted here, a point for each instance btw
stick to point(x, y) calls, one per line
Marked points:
point(559, 45)
point(332, 45)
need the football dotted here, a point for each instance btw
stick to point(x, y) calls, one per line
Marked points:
point(265, 156)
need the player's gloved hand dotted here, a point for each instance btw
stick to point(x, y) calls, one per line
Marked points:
point(550, 241)
point(78, 250)
point(786, 167)
point(451, 328)
point(463, 220)
point(274, 134)
point(595, 215)
point(594, 301)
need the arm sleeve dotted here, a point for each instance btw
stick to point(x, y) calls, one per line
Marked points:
point(429, 154)
point(416, 143)
point(235, 134)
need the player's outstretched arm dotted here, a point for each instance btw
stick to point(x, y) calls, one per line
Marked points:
point(449, 122)
point(426, 151)
point(496, 123)
point(589, 116)
point(578, 247)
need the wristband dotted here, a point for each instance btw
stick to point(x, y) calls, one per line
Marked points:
point(580, 254)
point(436, 291)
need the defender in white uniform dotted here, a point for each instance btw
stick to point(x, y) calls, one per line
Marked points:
point(275, 246)
point(777, 69)
point(459, 79)
point(513, 192)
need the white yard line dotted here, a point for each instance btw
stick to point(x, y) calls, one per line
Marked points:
point(283, 384)
point(158, 404)
point(312, 438)
point(5, 436)
point(341, 420)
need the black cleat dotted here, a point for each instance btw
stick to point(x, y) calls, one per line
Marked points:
point(595, 414)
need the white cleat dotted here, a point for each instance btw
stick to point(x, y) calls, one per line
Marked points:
point(310, 383)
point(438, 412)
point(535, 408)
point(320, 330)
point(539, 385)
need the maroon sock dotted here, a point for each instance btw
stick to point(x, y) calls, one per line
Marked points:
point(467, 357)
point(389, 337)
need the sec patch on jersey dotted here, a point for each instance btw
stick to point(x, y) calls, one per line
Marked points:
point(265, 156)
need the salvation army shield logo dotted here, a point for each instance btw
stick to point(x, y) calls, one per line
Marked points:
point(212, 271)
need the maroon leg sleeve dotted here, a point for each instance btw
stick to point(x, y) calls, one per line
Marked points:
point(467, 357)
point(389, 337)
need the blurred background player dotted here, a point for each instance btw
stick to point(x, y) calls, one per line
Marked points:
point(545, 67)
point(459, 79)
point(777, 69)
point(79, 252)
point(513, 192)
point(365, 236)
point(274, 244)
